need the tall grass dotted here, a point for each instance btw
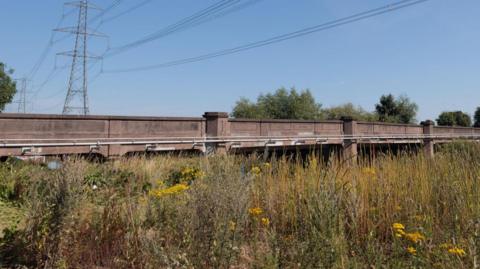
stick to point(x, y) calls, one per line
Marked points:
point(239, 212)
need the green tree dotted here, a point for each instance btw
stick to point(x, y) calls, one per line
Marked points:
point(454, 118)
point(282, 104)
point(7, 86)
point(246, 109)
point(397, 110)
point(351, 111)
point(477, 118)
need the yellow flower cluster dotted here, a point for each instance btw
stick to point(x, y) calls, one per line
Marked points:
point(399, 230)
point(457, 251)
point(255, 211)
point(453, 249)
point(176, 189)
point(232, 225)
point(191, 173)
point(414, 237)
point(256, 170)
point(412, 250)
point(398, 226)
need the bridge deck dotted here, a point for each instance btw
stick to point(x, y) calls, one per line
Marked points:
point(42, 135)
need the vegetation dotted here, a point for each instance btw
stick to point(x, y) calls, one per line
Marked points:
point(7, 86)
point(285, 104)
point(402, 211)
point(476, 118)
point(455, 118)
point(397, 110)
point(282, 104)
point(351, 111)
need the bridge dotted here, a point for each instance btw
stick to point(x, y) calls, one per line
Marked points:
point(40, 136)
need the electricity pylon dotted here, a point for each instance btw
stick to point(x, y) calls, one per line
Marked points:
point(76, 101)
point(22, 96)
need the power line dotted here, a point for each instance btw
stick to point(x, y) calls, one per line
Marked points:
point(306, 31)
point(214, 11)
point(115, 4)
point(125, 12)
point(47, 48)
point(201, 18)
point(51, 75)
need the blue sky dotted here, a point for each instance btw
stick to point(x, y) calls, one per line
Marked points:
point(429, 52)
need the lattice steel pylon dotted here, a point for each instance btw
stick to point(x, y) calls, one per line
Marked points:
point(76, 101)
point(22, 96)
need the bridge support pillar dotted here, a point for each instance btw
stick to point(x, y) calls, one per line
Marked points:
point(428, 143)
point(217, 126)
point(350, 147)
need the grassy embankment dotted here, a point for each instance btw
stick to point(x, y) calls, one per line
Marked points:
point(235, 212)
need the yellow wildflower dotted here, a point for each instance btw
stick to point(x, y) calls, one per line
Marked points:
point(265, 221)
point(266, 165)
point(457, 251)
point(169, 191)
point(255, 170)
point(399, 233)
point(255, 211)
point(398, 226)
point(412, 250)
point(191, 174)
point(414, 237)
point(232, 225)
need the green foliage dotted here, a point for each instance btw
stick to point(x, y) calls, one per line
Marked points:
point(186, 175)
point(283, 104)
point(454, 118)
point(476, 118)
point(396, 110)
point(7, 86)
point(350, 111)
point(96, 179)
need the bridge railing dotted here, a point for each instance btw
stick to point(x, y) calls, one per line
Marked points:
point(40, 135)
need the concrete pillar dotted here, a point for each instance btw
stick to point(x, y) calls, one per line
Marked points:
point(350, 149)
point(217, 126)
point(428, 143)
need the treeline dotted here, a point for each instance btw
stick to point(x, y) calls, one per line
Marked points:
point(292, 104)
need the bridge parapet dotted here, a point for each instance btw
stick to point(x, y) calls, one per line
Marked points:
point(37, 134)
point(441, 130)
point(247, 127)
point(381, 128)
point(40, 135)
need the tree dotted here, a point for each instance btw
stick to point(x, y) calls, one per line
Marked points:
point(246, 109)
point(477, 118)
point(350, 111)
point(397, 110)
point(282, 104)
point(454, 118)
point(7, 86)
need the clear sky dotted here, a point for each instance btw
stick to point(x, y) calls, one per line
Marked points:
point(430, 51)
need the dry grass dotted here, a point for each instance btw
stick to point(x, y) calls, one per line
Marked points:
point(237, 212)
